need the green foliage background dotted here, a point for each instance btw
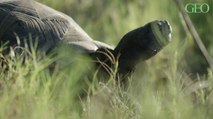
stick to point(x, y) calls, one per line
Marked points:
point(162, 87)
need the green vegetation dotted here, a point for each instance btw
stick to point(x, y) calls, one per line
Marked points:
point(161, 88)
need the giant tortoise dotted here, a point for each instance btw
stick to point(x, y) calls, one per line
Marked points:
point(19, 18)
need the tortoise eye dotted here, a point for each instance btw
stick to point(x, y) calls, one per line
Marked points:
point(160, 26)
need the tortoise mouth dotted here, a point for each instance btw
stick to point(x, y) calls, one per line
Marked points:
point(162, 31)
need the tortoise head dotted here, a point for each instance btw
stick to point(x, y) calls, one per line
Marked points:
point(162, 31)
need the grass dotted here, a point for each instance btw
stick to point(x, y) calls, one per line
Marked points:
point(30, 89)
point(161, 87)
